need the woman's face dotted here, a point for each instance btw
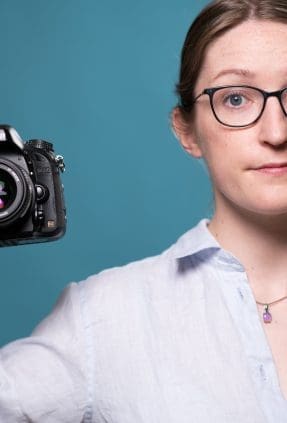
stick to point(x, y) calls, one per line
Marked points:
point(248, 166)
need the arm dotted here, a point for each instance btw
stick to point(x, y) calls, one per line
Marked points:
point(43, 377)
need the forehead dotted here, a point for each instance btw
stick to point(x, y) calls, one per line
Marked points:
point(257, 48)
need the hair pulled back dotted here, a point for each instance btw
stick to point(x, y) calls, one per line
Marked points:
point(214, 20)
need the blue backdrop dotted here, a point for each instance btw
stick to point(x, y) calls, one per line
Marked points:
point(97, 79)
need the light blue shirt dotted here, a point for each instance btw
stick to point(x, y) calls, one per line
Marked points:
point(174, 338)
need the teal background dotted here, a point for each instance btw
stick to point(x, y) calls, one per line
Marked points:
point(97, 79)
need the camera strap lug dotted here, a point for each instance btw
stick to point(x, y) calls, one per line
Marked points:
point(60, 162)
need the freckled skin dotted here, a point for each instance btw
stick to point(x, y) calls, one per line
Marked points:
point(232, 154)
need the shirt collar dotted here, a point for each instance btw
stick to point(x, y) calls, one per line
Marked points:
point(195, 240)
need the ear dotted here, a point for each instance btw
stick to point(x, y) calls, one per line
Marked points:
point(185, 133)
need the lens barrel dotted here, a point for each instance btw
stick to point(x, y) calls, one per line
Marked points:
point(16, 193)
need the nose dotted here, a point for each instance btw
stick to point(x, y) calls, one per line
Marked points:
point(273, 124)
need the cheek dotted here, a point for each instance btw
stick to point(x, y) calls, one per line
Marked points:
point(226, 152)
point(223, 163)
point(214, 151)
point(223, 175)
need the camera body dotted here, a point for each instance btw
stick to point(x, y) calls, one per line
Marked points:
point(32, 205)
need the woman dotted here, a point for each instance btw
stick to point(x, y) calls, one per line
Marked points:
point(197, 334)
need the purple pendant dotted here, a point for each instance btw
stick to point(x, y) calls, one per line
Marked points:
point(267, 316)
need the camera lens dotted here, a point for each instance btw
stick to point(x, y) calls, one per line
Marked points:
point(16, 193)
point(8, 190)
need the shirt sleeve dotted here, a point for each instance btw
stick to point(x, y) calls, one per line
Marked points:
point(43, 377)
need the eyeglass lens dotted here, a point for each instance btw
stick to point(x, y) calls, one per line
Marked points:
point(240, 106)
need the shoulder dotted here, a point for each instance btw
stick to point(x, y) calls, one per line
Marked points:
point(130, 287)
point(129, 279)
point(146, 270)
point(144, 282)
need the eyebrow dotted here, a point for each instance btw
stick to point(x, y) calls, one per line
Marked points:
point(235, 71)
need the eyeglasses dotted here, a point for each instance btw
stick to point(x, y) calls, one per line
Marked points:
point(238, 106)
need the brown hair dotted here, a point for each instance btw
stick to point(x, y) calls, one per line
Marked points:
point(214, 20)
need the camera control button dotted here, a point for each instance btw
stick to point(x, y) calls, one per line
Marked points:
point(39, 217)
point(41, 193)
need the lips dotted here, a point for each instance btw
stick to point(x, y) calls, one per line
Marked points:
point(273, 168)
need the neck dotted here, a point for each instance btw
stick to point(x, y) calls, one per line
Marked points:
point(260, 244)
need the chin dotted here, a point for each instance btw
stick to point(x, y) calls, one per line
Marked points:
point(271, 210)
point(268, 202)
point(262, 207)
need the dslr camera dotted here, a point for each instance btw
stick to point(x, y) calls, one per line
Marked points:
point(31, 193)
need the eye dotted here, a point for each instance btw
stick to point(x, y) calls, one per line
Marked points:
point(235, 100)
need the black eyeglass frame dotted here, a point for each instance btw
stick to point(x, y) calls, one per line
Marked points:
point(266, 94)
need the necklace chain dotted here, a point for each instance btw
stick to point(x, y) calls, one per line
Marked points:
point(272, 302)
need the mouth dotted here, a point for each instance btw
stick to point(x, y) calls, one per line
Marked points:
point(273, 168)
